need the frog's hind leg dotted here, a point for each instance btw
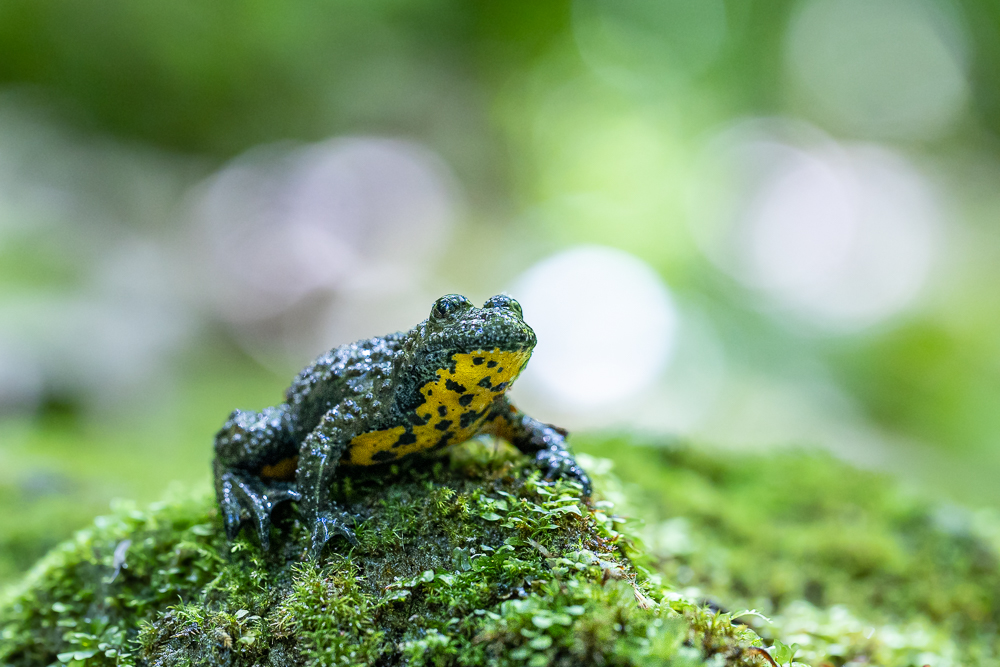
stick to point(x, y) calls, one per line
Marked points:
point(248, 445)
point(243, 495)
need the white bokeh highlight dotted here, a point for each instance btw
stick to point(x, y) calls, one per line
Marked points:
point(841, 236)
point(888, 69)
point(350, 214)
point(606, 327)
point(305, 247)
point(102, 326)
point(643, 44)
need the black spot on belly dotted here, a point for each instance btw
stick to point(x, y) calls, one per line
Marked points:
point(383, 456)
point(416, 419)
point(443, 424)
point(442, 410)
point(491, 364)
point(500, 387)
point(465, 400)
point(485, 383)
point(479, 360)
point(443, 442)
point(454, 386)
point(469, 418)
point(405, 439)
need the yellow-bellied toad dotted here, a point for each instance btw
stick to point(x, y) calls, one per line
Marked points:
point(380, 400)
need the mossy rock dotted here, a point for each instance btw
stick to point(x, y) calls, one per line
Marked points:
point(474, 560)
point(850, 566)
point(467, 561)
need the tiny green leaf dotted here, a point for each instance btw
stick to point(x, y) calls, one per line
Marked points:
point(542, 621)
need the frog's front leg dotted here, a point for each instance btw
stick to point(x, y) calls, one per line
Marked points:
point(531, 436)
point(319, 456)
point(254, 452)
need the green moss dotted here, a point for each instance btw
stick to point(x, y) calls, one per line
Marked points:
point(83, 601)
point(475, 562)
point(847, 565)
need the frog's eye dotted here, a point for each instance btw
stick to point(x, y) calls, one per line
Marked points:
point(448, 305)
point(504, 301)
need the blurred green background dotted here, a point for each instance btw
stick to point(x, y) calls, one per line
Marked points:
point(747, 224)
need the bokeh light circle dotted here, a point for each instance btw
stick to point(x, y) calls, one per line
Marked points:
point(345, 214)
point(879, 68)
point(843, 236)
point(642, 43)
point(606, 326)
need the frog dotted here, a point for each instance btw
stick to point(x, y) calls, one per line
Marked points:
point(374, 403)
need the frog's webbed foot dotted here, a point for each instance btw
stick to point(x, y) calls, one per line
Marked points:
point(327, 524)
point(546, 442)
point(245, 496)
point(555, 461)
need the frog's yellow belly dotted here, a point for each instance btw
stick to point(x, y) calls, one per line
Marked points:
point(455, 406)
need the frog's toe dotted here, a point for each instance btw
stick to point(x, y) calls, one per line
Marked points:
point(232, 510)
point(328, 524)
point(245, 496)
point(557, 462)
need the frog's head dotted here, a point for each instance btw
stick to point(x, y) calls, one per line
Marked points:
point(475, 346)
point(456, 325)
